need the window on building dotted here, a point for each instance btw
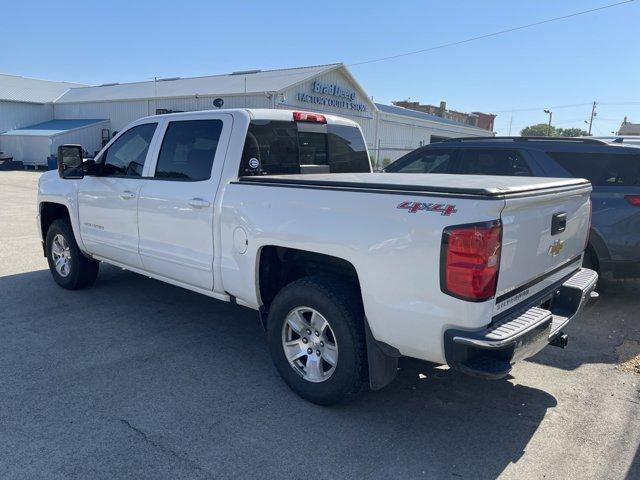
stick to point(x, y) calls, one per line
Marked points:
point(493, 162)
point(188, 150)
point(601, 169)
point(281, 147)
point(125, 157)
point(424, 161)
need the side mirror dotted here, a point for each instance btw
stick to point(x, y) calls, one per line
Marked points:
point(70, 161)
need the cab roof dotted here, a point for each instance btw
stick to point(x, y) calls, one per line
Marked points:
point(253, 113)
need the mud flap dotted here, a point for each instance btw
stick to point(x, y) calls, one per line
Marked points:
point(383, 366)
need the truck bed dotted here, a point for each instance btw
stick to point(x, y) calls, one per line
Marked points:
point(442, 184)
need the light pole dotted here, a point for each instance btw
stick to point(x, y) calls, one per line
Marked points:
point(550, 113)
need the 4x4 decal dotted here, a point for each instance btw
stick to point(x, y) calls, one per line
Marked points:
point(414, 207)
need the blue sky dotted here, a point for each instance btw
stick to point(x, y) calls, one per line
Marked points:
point(574, 61)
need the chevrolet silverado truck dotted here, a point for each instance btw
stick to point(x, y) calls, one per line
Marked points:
point(349, 270)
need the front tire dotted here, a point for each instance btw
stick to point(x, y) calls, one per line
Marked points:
point(317, 341)
point(68, 265)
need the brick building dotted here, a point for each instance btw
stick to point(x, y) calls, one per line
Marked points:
point(475, 119)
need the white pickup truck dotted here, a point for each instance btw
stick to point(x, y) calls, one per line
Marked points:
point(279, 211)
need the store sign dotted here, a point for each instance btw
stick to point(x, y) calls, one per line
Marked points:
point(331, 95)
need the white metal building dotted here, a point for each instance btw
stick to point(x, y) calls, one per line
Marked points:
point(32, 145)
point(390, 131)
point(25, 101)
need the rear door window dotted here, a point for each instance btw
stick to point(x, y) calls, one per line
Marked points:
point(601, 169)
point(280, 147)
point(483, 161)
point(425, 161)
point(188, 150)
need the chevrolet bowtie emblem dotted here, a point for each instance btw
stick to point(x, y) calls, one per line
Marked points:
point(556, 248)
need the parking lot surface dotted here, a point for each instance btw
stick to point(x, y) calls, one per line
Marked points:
point(134, 378)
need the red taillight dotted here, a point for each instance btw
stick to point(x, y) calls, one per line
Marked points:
point(470, 260)
point(633, 200)
point(309, 117)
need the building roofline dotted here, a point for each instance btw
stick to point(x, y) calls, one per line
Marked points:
point(79, 85)
point(175, 79)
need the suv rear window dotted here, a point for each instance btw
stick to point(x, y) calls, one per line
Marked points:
point(424, 161)
point(280, 147)
point(601, 169)
point(484, 161)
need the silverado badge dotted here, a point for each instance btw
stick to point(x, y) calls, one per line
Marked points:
point(556, 248)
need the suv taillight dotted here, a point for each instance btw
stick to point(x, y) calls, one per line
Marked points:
point(470, 260)
point(633, 200)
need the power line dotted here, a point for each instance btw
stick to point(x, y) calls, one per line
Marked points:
point(619, 103)
point(541, 108)
point(488, 35)
point(574, 105)
point(276, 73)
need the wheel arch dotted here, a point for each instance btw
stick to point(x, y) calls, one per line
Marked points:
point(278, 266)
point(598, 246)
point(48, 213)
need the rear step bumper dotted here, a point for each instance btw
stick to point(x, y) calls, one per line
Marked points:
point(491, 352)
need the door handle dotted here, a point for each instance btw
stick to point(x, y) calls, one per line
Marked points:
point(199, 203)
point(127, 195)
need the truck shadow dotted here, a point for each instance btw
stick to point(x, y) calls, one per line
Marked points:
point(605, 325)
point(133, 365)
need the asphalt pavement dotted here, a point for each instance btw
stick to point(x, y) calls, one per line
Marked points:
point(134, 378)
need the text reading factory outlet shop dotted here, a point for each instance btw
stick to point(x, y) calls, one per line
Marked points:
point(346, 98)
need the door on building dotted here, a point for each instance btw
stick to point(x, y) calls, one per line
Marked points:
point(108, 201)
point(176, 205)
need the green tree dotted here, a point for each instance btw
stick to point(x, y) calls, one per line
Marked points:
point(541, 130)
point(572, 132)
point(538, 130)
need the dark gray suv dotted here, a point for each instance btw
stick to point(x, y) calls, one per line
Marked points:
point(614, 172)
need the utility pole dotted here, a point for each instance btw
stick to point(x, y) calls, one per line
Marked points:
point(550, 113)
point(510, 123)
point(593, 114)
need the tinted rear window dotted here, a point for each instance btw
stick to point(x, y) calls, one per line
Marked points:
point(484, 161)
point(279, 147)
point(424, 161)
point(601, 169)
point(188, 150)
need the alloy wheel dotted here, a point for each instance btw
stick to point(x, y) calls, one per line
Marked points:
point(309, 344)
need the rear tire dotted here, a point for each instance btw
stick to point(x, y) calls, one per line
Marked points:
point(68, 265)
point(335, 305)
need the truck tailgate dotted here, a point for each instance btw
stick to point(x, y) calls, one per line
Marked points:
point(543, 237)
